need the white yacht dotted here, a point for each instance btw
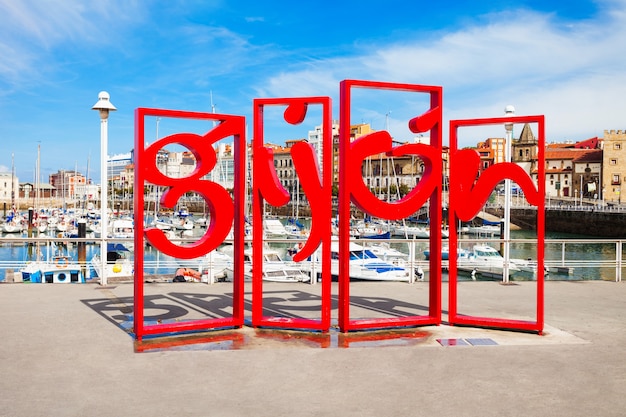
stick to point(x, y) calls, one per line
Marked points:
point(484, 261)
point(274, 268)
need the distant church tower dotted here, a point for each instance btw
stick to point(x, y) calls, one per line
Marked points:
point(524, 150)
point(614, 166)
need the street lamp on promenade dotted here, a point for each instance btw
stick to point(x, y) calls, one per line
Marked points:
point(104, 106)
point(509, 111)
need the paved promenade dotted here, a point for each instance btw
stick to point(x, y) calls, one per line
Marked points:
point(65, 352)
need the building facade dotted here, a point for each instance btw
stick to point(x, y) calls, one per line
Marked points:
point(9, 188)
point(67, 183)
point(614, 165)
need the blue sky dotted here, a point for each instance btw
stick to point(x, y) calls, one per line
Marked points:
point(564, 60)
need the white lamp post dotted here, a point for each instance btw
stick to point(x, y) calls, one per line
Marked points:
point(104, 106)
point(508, 112)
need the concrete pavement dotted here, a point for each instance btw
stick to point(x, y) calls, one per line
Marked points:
point(65, 352)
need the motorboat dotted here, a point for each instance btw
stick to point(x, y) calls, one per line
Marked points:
point(162, 224)
point(274, 268)
point(370, 230)
point(212, 266)
point(445, 253)
point(295, 229)
point(396, 257)
point(60, 270)
point(484, 230)
point(183, 223)
point(122, 228)
point(485, 262)
point(201, 221)
point(410, 232)
point(274, 229)
point(365, 265)
point(387, 253)
point(528, 267)
point(119, 265)
point(294, 232)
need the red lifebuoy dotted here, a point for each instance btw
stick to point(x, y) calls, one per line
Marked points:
point(60, 264)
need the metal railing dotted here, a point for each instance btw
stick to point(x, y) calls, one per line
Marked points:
point(566, 259)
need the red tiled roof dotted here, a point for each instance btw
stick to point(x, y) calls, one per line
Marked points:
point(573, 154)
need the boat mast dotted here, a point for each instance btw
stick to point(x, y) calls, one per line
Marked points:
point(37, 169)
point(86, 181)
point(74, 186)
point(13, 181)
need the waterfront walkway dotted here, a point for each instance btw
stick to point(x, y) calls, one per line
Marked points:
point(66, 351)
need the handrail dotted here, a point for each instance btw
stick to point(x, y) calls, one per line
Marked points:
point(414, 246)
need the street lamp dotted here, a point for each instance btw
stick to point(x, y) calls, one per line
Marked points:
point(104, 106)
point(509, 111)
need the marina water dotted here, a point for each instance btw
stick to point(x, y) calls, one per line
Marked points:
point(582, 257)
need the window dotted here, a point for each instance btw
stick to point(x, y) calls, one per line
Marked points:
point(617, 146)
point(615, 179)
point(613, 162)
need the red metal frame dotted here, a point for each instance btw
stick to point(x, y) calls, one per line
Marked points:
point(468, 195)
point(225, 210)
point(352, 189)
point(317, 185)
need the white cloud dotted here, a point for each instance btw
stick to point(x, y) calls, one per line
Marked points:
point(573, 74)
point(30, 30)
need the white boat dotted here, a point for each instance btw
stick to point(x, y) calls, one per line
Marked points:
point(274, 268)
point(484, 261)
point(484, 230)
point(385, 252)
point(183, 223)
point(274, 229)
point(12, 227)
point(122, 229)
point(445, 253)
point(364, 265)
point(201, 221)
point(60, 270)
point(528, 267)
point(162, 224)
point(294, 232)
point(388, 254)
point(370, 230)
point(212, 266)
point(119, 265)
point(61, 226)
point(417, 232)
point(42, 226)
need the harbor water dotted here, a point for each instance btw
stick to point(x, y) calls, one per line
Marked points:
point(568, 257)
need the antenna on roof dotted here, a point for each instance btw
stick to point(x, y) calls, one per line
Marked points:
point(212, 105)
